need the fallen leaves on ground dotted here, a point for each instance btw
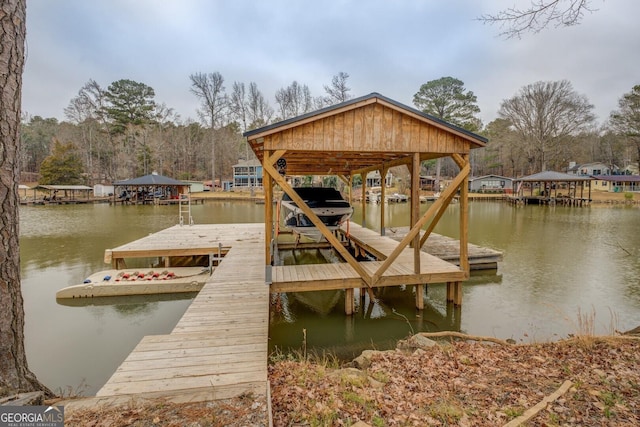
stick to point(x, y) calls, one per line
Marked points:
point(245, 410)
point(458, 383)
point(467, 384)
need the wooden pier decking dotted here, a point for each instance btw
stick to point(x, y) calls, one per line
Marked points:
point(310, 277)
point(448, 249)
point(216, 350)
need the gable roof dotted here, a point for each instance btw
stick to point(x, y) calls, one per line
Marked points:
point(491, 176)
point(151, 179)
point(65, 187)
point(617, 178)
point(359, 135)
point(554, 176)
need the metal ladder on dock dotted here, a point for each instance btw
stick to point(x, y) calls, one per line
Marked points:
point(184, 205)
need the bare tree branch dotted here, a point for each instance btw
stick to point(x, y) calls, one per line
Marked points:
point(539, 15)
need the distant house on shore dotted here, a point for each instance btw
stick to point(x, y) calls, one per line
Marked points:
point(591, 169)
point(375, 180)
point(491, 184)
point(247, 174)
point(616, 183)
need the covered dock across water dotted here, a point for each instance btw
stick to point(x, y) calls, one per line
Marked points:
point(148, 189)
point(551, 188)
point(64, 194)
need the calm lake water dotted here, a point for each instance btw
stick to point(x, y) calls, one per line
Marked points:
point(558, 261)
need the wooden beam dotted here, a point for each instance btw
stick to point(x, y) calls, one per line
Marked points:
point(406, 159)
point(438, 215)
point(415, 209)
point(349, 302)
point(383, 195)
point(363, 202)
point(464, 223)
point(268, 213)
point(416, 228)
point(463, 161)
point(268, 167)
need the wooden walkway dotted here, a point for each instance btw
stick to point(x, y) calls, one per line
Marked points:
point(299, 278)
point(217, 350)
point(192, 240)
point(448, 249)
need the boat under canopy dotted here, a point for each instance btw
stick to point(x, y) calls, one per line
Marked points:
point(327, 203)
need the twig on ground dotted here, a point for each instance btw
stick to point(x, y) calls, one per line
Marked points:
point(462, 336)
point(532, 412)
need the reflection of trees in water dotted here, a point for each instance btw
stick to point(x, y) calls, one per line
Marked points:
point(320, 302)
point(302, 257)
point(377, 323)
point(126, 306)
point(135, 309)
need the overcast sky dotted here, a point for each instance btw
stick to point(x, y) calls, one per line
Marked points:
point(386, 46)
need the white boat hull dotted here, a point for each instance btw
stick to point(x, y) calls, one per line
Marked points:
point(326, 203)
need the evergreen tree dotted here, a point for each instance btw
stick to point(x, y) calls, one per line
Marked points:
point(63, 166)
point(447, 99)
point(129, 103)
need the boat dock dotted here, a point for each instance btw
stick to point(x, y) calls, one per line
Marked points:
point(547, 200)
point(216, 350)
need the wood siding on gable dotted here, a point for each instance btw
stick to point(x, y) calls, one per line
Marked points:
point(371, 128)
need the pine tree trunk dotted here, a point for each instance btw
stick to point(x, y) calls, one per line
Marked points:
point(14, 372)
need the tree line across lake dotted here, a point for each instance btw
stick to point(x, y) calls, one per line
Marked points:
point(121, 131)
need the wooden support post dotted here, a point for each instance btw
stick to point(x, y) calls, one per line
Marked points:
point(420, 297)
point(464, 219)
point(383, 196)
point(349, 302)
point(415, 209)
point(363, 202)
point(457, 294)
point(268, 212)
point(415, 230)
point(449, 291)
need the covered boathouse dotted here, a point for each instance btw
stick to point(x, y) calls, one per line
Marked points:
point(370, 133)
point(550, 188)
